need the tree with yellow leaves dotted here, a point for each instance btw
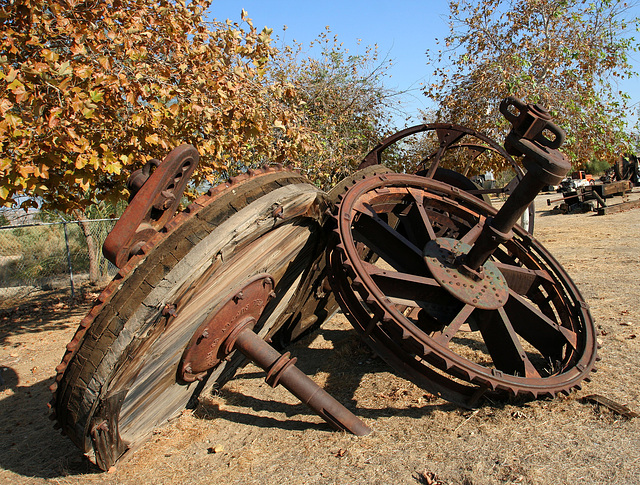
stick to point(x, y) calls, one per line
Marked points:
point(90, 91)
point(565, 56)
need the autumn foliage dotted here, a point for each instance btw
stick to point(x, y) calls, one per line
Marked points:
point(89, 91)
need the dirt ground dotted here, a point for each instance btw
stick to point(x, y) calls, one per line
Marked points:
point(249, 433)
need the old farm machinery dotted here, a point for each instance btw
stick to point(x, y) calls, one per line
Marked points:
point(448, 290)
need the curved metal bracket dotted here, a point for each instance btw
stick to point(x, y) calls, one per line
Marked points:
point(156, 190)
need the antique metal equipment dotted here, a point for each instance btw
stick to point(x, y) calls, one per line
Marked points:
point(446, 288)
point(460, 299)
point(580, 198)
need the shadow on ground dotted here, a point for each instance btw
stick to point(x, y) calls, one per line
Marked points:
point(31, 447)
point(43, 310)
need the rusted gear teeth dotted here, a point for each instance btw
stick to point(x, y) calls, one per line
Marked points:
point(105, 296)
point(411, 349)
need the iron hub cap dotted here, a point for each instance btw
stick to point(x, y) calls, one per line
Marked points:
point(490, 293)
point(243, 307)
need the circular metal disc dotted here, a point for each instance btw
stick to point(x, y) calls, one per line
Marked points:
point(490, 293)
point(205, 350)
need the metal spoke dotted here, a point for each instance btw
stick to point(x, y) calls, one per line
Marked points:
point(400, 285)
point(504, 346)
point(521, 279)
point(418, 197)
point(538, 329)
point(473, 233)
point(447, 137)
point(446, 334)
point(385, 241)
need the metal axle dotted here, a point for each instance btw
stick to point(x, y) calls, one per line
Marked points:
point(281, 369)
point(537, 138)
point(230, 328)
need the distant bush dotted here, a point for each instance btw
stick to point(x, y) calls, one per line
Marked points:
point(596, 167)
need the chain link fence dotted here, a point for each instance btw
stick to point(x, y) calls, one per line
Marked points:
point(54, 254)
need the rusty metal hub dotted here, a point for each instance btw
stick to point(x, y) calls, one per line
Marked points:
point(230, 328)
point(488, 293)
point(206, 348)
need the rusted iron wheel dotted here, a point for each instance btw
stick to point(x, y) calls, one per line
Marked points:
point(120, 377)
point(454, 154)
point(524, 330)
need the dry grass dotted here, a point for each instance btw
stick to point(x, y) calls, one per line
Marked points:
point(249, 433)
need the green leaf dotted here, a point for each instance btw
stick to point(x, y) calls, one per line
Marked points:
point(96, 96)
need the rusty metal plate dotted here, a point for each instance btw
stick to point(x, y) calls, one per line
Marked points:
point(490, 293)
point(205, 349)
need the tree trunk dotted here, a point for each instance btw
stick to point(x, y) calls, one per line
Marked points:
point(94, 270)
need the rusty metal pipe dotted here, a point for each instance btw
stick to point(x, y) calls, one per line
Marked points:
point(281, 370)
point(498, 229)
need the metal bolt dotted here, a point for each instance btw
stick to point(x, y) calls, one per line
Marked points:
point(169, 310)
point(278, 212)
point(169, 198)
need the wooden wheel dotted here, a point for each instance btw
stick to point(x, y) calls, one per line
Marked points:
point(119, 378)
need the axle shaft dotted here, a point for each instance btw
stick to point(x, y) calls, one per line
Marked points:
point(281, 369)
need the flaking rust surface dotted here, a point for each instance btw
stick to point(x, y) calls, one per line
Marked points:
point(250, 433)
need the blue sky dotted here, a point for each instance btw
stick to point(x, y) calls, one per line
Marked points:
point(403, 31)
